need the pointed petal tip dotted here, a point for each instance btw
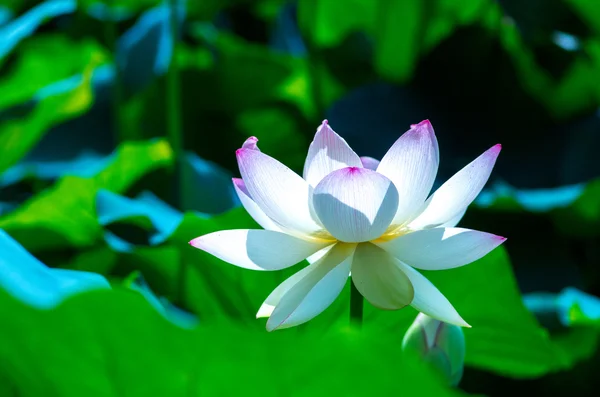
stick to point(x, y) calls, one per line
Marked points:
point(250, 143)
point(425, 123)
point(500, 239)
point(459, 322)
point(496, 148)
point(196, 242)
point(265, 311)
point(324, 126)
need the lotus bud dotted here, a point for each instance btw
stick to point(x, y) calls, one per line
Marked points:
point(439, 343)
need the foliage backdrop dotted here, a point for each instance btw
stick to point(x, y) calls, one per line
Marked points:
point(118, 125)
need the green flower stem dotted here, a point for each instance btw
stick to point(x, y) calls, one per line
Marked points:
point(356, 306)
point(174, 128)
point(111, 35)
point(175, 136)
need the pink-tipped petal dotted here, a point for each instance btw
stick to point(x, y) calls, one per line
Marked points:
point(458, 192)
point(252, 208)
point(257, 249)
point(377, 277)
point(328, 152)
point(278, 191)
point(355, 204)
point(251, 143)
point(412, 164)
point(369, 162)
point(313, 290)
point(429, 300)
point(441, 248)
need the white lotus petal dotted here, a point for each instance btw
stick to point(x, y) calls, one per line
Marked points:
point(411, 164)
point(257, 249)
point(279, 192)
point(266, 309)
point(369, 162)
point(328, 152)
point(252, 208)
point(378, 278)
point(441, 248)
point(355, 204)
point(458, 192)
point(315, 290)
point(429, 300)
point(318, 255)
point(455, 220)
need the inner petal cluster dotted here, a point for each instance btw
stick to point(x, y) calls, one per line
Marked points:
point(355, 204)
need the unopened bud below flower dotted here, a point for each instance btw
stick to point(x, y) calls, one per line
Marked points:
point(439, 343)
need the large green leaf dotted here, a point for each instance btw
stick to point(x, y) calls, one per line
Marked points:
point(505, 338)
point(27, 112)
point(64, 215)
point(114, 343)
point(210, 288)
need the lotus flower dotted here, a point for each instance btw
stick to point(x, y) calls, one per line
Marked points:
point(439, 343)
point(351, 215)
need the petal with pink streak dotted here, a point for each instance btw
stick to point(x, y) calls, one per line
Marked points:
point(369, 162)
point(355, 204)
point(328, 152)
point(441, 248)
point(251, 143)
point(278, 191)
point(412, 164)
point(252, 208)
point(454, 196)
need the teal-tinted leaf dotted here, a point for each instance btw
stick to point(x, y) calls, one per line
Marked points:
point(30, 281)
point(157, 219)
point(85, 165)
point(574, 209)
point(64, 215)
point(571, 306)
point(109, 335)
point(207, 186)
point(171, 312)
point(145, 50)
point(6, 14)
point(503, 197)
point(23, 26)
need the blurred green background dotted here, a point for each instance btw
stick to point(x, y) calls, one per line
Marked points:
point(119, 120)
